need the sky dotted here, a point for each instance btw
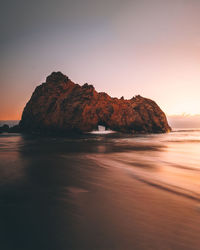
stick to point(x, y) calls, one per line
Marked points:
point(184, 121)
point(122, 47)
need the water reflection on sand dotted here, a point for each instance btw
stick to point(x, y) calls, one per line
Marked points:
point(108, 191)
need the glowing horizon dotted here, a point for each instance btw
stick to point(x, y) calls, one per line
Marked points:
point(17, 116)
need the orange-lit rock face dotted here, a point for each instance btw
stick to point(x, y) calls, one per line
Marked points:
point(61, 105)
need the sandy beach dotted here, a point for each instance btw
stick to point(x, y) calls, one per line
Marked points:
point(140, 216)
point(90, 193)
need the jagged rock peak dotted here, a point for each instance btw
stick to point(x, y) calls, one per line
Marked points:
point(57, 77)
point(88, 86)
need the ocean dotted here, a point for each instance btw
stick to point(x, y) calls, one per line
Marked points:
point(10, 123)
point(100, 191)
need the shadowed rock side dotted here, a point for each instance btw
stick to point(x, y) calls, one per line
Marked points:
point(59, 105)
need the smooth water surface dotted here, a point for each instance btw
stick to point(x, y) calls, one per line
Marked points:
point(108, 191)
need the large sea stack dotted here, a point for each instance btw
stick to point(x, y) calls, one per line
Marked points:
point(59, 105)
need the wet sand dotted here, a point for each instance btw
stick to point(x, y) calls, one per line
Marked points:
point(81, 193)
point(128, 214)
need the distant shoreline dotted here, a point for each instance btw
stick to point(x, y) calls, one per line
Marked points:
point(9, 122)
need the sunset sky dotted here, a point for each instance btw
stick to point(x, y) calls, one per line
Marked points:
point(129, 47)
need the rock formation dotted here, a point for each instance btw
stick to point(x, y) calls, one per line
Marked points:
point(59, 105)
point(6, 129)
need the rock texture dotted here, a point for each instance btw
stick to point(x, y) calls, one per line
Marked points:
point(59, 105)
point(6, 129)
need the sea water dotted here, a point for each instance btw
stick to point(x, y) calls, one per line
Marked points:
point(82, 193)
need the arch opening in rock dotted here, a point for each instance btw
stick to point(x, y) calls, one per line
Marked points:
point(101, 128)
